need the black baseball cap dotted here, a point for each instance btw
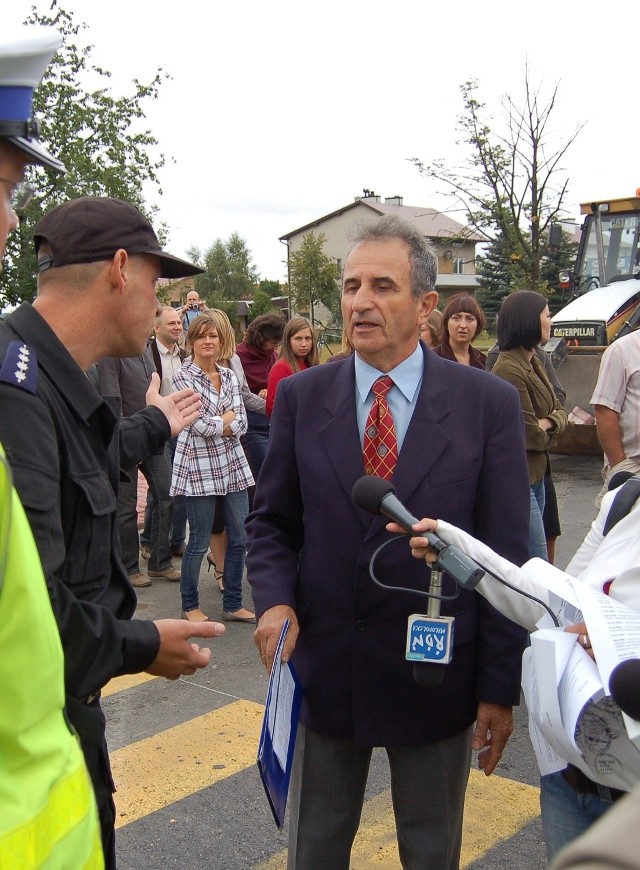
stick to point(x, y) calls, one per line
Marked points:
point(93, 228)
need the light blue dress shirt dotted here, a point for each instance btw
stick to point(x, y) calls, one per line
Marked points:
point(401, 398)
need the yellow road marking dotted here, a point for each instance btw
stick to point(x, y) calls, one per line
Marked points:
point(173, 764)
point(126, 681)
point(496, 809)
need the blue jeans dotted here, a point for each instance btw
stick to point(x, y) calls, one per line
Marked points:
point(566, 813)
point(537, 539)
point(200, 513)
point(256, 441)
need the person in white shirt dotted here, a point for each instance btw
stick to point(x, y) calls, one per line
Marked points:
point(616, 399)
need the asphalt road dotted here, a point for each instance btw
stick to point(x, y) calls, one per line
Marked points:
point(183, 753)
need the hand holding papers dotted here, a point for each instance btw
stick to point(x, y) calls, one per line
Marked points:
point(278, 736)
point(572, 717)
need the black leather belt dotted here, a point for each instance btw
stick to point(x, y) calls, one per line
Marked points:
point(582, 784)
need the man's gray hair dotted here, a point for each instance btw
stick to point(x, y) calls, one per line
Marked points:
point(422, 259)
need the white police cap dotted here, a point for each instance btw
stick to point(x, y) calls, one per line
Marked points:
point(25, 53)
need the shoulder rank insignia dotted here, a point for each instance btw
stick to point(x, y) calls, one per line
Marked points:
point(20, 367)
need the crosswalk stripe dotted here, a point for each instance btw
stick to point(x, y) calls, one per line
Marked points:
point(495, 809)
point(126, 681)
point(159, 770)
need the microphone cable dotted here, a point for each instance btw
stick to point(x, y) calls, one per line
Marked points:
point(457, 594)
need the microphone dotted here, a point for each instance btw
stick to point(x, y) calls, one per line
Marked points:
point(376, 496)
point(624, 685)
point(424, 674)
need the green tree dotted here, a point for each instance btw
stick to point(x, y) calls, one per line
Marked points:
point(555, 258)
point(500, 272)
point(510, 184)
point(100, 138)
point(262, 304)
point(230, 274)
point(263, 298)
point(314, 276)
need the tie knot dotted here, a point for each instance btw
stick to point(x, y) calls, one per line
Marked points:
point(382, 386)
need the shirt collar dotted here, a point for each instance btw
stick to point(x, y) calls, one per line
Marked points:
point(406, 376)
point(165, 350)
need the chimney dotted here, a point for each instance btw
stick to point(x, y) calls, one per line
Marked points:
point(393, 200)
point(370, 195)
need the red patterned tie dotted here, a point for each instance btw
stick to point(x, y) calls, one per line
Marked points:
point(380, 449)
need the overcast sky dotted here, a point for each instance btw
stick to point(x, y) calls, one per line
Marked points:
point(278, 113)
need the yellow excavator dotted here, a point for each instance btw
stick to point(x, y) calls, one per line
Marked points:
point(604, 305)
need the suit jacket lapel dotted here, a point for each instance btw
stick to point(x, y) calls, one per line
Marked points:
point(425, 440)
point(339, 434)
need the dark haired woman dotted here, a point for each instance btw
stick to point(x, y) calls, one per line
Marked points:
point(258, 355)
point(299, 352)
point(462, 322)
point(523, 323)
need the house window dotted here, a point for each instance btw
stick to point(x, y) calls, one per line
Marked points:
point(458, 263)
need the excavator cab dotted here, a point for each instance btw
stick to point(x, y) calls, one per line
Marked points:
point(605, 285)
point(604, 305)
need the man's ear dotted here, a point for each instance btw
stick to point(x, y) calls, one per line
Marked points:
point(428, 303)
point(118, 270)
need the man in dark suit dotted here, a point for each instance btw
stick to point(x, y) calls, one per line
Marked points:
point(168, 357)
point(460, 457)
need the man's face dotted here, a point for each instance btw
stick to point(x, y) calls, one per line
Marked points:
point(12, 164)
point(168, 327)
point(193, 299)
point(380, 314)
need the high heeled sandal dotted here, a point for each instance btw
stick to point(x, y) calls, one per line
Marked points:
point(218, 575)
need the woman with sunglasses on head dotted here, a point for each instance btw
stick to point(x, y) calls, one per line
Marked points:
point(258, 355)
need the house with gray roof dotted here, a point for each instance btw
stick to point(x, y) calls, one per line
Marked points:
point(454, 243)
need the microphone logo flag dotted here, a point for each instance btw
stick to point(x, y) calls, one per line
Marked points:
point(430, 639)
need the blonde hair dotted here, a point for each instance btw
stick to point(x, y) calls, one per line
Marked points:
point(225, 334)
point(433, 326)
point(199, 327)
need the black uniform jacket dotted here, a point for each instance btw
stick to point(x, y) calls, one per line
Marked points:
point(62, 441)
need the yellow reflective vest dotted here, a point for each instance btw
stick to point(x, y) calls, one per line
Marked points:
point(48, 817)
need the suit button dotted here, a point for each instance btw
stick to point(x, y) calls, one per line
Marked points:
point(361, 624)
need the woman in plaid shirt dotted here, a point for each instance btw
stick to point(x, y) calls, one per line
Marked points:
point(210, 464)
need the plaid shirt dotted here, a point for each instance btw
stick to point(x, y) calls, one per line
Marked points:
point(206, 461)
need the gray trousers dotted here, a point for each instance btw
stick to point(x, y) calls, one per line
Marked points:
point(157, 471)
point(328, 783)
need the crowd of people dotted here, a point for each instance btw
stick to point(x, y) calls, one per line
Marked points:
point(251, 453)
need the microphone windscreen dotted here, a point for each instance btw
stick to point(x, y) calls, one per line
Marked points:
point(369, 491)
point(425, 674)
point(624, 685)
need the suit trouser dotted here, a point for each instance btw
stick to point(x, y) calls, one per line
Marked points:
point(157, 472)
point(89, 722)
point(328, 783)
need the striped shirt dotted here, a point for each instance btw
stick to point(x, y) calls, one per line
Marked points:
point(206, 461)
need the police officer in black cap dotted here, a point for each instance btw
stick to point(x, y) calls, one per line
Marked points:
point(99, 261)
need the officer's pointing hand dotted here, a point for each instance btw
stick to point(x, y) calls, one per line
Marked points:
point(177, 656)
point(180, 408)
